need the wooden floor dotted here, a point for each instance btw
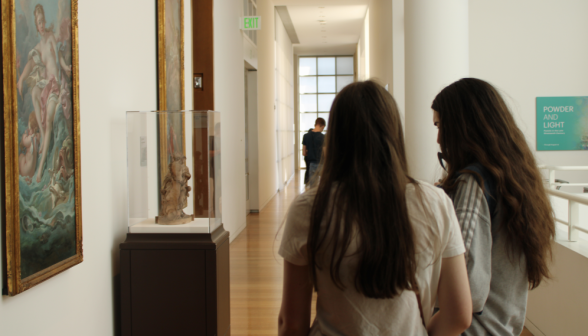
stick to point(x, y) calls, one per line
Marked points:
point(256, 267)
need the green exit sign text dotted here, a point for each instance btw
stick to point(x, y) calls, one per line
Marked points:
point(250, 23)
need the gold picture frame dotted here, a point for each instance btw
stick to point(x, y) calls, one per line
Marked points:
point(42, 221)
point(170, 79)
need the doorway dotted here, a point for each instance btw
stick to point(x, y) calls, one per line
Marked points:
point(251, 149)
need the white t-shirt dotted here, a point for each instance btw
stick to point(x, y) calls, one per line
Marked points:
point(348, 312)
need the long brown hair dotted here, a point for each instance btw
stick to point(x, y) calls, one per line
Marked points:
point(360, 197)
point(477, 126)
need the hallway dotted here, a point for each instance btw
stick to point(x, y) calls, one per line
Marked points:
point(256, 267)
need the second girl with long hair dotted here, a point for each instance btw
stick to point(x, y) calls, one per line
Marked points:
point(505, 215)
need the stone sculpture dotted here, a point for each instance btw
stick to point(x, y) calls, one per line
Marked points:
point(174, 193)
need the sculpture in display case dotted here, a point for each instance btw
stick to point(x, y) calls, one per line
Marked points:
point(176, 253)
point(174, 194)
point(174, 182)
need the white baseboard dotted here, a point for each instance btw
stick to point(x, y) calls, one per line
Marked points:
point(532, 328)
point(267, 201)
point(237, 232)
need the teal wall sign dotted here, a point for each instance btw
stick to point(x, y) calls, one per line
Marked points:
point(562, 123)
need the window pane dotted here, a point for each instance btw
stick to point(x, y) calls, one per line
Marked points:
point(343, 81)
point(326, 66)
point(307, 84)
point(326, 117)
point(308, 103)
point(325, 101)
point(307, 66)
point(344, 65)
point(307, 122)
point(326, 84)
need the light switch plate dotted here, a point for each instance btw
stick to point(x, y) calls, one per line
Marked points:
point(198, 82)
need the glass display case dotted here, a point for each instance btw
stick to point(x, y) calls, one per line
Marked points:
point(174, 171)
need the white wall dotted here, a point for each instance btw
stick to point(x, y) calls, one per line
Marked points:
point(528, 49)
point(229, 99)
point(252, 140)
point(267, 156)
point(117, 52)
point(380, 54)
point(397, 89)
point(284, 102)
point(362, 57)
point(383, 36)
point(249, 51)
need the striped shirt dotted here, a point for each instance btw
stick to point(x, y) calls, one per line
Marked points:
point(498, 283)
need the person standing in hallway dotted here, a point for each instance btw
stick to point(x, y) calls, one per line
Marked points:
point(374, 243)
point(505, 215)
point(305, 157)
point(312, 147)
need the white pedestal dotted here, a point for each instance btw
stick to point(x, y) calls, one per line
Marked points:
point(199, 225)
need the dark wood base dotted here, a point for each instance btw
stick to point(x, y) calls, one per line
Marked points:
point(175, 284)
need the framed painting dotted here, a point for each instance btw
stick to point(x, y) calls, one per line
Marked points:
point(42, 221)
point(170, 50)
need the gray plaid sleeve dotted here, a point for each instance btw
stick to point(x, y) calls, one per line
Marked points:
point(474, 219)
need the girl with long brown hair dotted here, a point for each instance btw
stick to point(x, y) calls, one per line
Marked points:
point(505, 215)
point(374, 243)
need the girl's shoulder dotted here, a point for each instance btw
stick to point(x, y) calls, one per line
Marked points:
point(425, 191)
point(303, 202)
point(306, 197)
point(432, 217)
point(429, 204)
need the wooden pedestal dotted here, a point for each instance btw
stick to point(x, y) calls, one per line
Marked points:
point(175, 284)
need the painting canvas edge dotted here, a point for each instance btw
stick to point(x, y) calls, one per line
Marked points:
point(9, 77)
point(162, 84)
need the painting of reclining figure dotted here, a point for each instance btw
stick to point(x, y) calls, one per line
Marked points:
point(43, 222)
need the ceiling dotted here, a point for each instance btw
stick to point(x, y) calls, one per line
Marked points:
point(337, 35)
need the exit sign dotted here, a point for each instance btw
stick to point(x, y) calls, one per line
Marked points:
point(250, 23)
